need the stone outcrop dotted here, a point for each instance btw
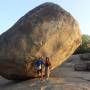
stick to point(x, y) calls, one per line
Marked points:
point(81, 66)
point(47, 30)
point(85, 57)
point(83, 63)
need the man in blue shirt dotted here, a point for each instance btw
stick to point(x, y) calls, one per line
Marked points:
point(38, 65)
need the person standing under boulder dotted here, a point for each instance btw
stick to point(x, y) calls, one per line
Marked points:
point(47, 68)
point(39, 68)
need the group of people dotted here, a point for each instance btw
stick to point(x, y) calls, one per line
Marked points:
point(43, 66)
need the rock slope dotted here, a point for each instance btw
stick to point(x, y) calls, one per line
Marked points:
point(63, 78)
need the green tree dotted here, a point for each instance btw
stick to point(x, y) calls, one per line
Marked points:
point(84, 48)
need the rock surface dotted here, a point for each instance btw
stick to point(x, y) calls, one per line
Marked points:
point(62, 78)
point(85, 57)
point(47, 30)
point(83, 63)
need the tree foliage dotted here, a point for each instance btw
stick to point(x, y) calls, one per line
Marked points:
point(84, 47)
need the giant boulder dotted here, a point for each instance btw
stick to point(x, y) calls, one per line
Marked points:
point(47, 30)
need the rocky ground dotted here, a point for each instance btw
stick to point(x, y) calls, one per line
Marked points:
point(62, 78)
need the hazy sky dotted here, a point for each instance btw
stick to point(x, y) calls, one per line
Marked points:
point(12, 10)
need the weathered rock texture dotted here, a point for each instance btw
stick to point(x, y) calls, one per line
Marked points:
point(47, 30)
point(83, 64)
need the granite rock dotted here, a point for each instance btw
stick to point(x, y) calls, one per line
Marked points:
point(47, 30)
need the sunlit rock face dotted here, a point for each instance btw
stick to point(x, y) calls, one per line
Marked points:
point(47, 30)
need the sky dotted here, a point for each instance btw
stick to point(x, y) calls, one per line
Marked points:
point(12, 10)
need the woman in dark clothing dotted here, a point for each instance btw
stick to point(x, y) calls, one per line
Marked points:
point(47, 68)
